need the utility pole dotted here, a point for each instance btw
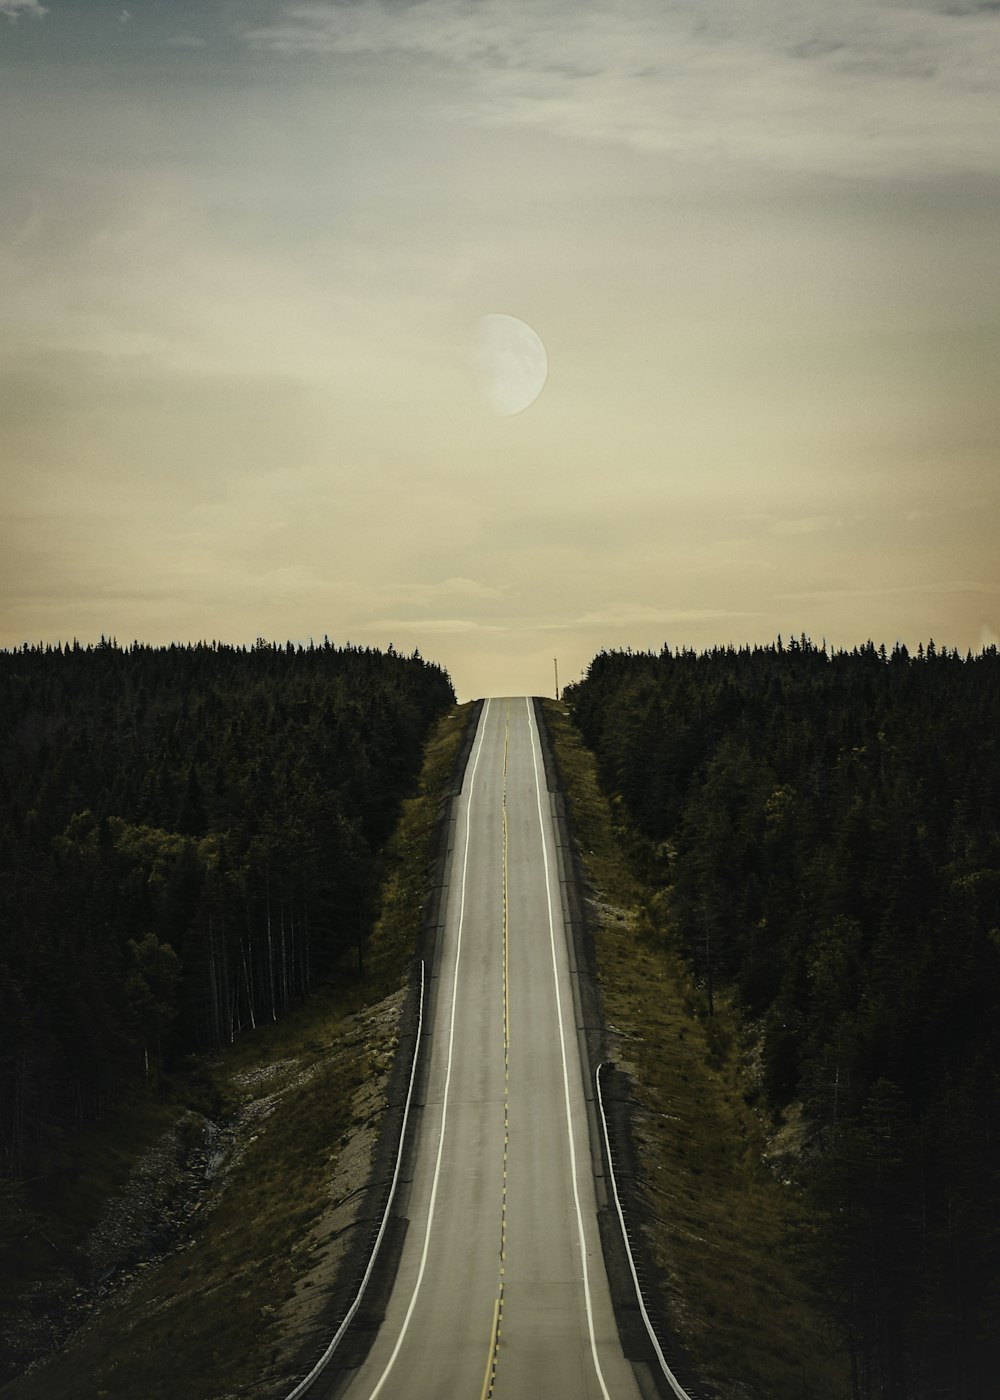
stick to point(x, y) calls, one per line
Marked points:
point(555, 663)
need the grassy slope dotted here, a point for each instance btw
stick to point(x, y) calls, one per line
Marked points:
point(732, 1241)
point(215, 1317)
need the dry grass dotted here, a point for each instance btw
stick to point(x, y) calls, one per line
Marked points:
point(732, 1240)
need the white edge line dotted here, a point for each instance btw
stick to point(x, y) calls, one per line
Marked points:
point(562, 1046)
point(674, 1383)
point(447, 1083)
point(307, 1381)
point(321, 1364)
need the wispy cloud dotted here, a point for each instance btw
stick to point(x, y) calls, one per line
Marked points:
point(808, 525)
point(14, 9)
point(856, 87)
point(424, 594)
point(640, 615)
point(948, 587)
point(435, 626)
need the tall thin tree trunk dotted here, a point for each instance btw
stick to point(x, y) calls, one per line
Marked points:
point(215, 1028)
point(227, 1000)
point(293, 991)
point(249, 988)
point(283, 964)
point(270, 943)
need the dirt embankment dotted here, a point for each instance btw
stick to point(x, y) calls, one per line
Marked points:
point(187, 1232)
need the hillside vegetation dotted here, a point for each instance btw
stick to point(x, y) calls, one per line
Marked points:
point(189, 841)
point(824, 835)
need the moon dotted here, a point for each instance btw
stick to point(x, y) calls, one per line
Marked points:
point(510, 363)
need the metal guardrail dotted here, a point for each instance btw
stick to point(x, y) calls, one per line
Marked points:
point(338, 1336)
point(671, 1379)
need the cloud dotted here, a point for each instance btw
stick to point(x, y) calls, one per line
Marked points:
point(14, 9)
point(796, 84)
point(640, 615)
point(947, 588)
point(437, 626)
point(420, 594)
point(810, 525)
point(632, 616)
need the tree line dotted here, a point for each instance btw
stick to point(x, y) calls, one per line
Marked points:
point(189, 840)
point(826, 827)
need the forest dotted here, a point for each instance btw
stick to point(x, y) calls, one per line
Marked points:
point(189, 840)
point(824, 830)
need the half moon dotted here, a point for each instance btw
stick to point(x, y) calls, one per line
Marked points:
point(510, 363)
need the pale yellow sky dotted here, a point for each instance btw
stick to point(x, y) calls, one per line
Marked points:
point(243, 248)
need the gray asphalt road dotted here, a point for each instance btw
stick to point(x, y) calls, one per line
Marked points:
point(501, 1290)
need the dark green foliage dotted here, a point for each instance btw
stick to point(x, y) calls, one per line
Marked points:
point(189, 838)
point(829, 830)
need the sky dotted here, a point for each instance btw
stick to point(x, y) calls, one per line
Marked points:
point(245, 246)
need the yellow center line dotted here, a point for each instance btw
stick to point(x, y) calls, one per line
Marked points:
point(491, 1360)
point(489, 1380)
